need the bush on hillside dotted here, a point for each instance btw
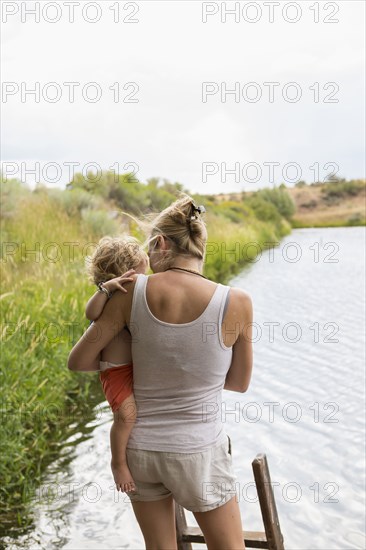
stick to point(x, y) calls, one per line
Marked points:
point(280, 198)
point(263, 209)
point(342, 189)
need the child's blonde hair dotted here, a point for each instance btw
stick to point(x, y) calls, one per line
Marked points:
point(113, 257)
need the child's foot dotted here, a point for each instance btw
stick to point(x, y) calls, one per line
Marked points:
point(122, 477)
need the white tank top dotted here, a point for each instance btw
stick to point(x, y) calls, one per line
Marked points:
point(179, 371)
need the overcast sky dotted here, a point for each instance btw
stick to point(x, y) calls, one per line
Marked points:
point(171, 124)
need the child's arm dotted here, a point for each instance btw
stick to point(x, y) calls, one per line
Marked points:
point(96, 304)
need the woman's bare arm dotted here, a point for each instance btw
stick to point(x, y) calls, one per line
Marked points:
point(85, 354)
point(240, 371)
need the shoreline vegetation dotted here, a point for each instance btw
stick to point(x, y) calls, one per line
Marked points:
point(338, 203)
point(46, 235)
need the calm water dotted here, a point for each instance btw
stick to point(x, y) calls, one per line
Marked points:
point(304, 409)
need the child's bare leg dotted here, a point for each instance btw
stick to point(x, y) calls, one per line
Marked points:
point(123, 423)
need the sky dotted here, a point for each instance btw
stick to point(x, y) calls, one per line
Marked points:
point(184, 90)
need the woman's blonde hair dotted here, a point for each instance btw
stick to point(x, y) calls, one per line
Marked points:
point(113, 257)
point(182, 224)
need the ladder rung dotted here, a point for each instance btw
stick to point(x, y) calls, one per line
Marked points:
point(252, 539)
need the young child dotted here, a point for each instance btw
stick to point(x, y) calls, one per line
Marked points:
point(111, 265)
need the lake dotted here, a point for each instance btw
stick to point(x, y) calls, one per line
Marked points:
point(305, 409)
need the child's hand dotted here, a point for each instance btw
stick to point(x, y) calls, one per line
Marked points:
point(118, 282)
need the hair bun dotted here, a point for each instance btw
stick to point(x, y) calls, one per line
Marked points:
point(196, 209)
point(181, 223)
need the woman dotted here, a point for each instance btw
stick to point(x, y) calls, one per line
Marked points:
point(191, 338)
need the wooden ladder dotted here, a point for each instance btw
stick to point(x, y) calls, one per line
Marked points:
point(272, 538)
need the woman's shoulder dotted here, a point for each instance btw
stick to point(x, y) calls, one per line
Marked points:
point(241, 296)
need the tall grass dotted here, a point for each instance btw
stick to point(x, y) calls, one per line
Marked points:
point(232, 245)
point(43, 294)
point(40, 395)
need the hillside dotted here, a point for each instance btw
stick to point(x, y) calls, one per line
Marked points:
point(338, 203)
point(329, 204)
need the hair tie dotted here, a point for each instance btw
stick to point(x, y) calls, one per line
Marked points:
point(200, 209)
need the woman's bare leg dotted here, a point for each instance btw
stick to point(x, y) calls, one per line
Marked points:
point(222, 527)
point(124, 420)
point(157, 523)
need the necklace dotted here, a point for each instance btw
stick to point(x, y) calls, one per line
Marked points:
point(188, 271)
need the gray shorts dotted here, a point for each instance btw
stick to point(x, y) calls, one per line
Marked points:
point(198, 481)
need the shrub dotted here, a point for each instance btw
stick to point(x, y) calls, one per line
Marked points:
point(99, 222)
point(74, 201)
point(263, 209)
point(281, 199)
point(301, 183)
point(342, 188)
point(310, 204)
point(234, 211)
